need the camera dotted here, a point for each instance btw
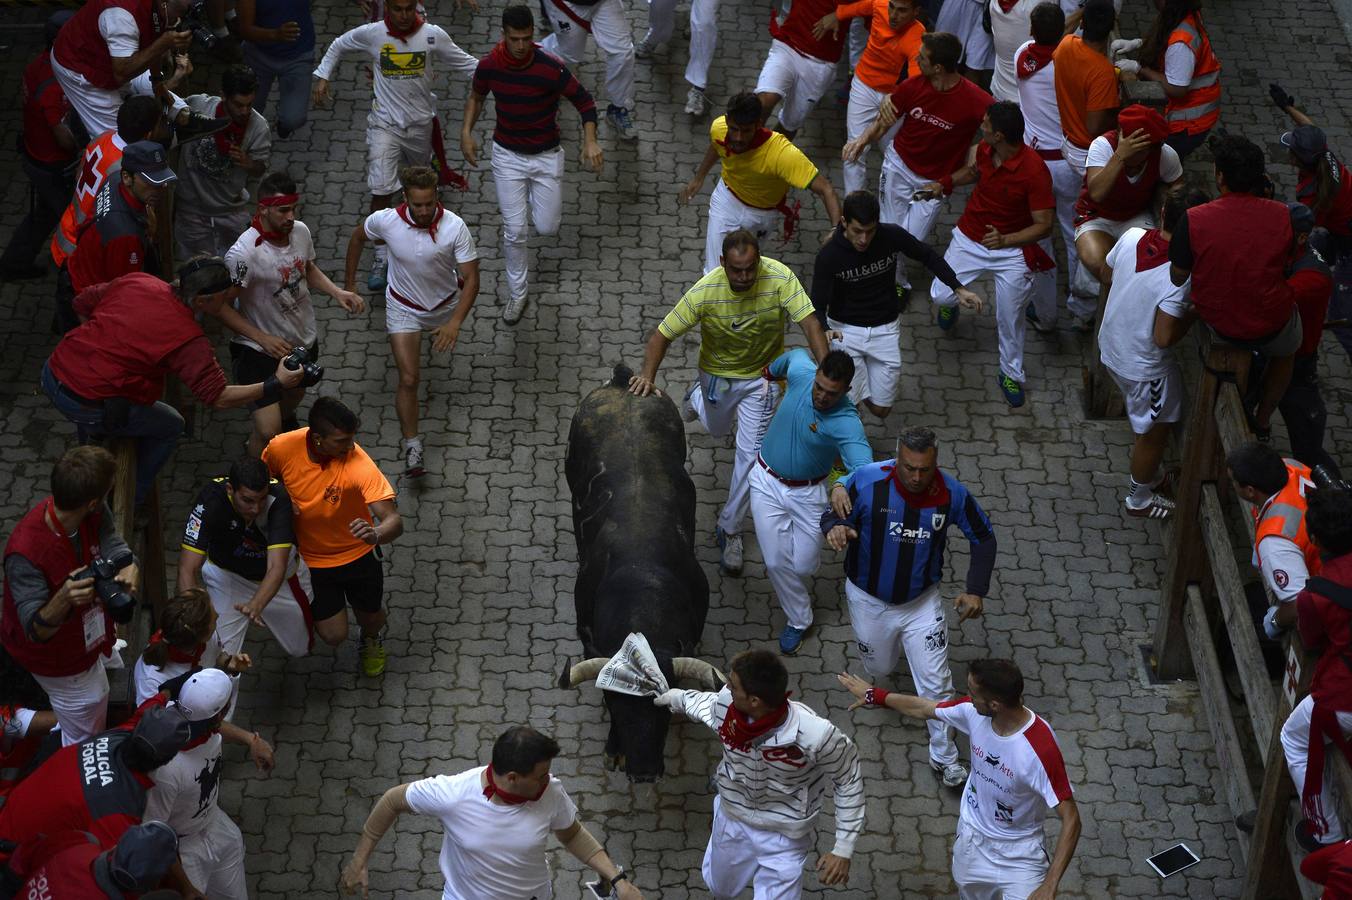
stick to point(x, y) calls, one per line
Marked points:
point(194, 20)
point(120, 604)
point(299, 358)
point(1328, 478)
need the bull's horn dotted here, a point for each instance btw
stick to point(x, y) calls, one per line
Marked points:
point(696, 670)
point(586, 670)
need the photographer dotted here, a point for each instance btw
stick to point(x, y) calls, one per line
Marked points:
point(56, 622)
point(106, 376)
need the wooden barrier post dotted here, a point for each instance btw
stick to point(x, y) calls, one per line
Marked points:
point(1102, 399)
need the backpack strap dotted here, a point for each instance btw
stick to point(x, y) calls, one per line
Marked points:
point(1340, 594)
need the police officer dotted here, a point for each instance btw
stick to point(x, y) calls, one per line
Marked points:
point(72, 866)
point(896, 528)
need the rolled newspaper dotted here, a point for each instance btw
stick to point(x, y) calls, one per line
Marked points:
point(633, 670)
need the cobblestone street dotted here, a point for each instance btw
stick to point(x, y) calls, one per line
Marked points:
point(480, 585)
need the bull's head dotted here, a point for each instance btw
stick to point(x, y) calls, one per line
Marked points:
point(638, 728)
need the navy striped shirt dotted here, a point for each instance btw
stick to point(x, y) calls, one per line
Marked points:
point(900, 551)
point(527, 99)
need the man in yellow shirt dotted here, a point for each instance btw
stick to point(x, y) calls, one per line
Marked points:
point(740, 308)
point(759, 168)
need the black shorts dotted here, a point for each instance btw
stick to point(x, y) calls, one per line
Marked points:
point(360, 583)
point(250, 366)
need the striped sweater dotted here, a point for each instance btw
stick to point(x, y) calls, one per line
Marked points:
point(527, 96)
point(778, 785)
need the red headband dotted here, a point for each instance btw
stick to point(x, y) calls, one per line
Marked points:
point(279, 200)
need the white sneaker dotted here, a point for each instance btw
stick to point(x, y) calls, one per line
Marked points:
point(413, 460)
point(954, 773)
point(731, 545)
point(688, 413)
point(696, 104)
point(645, 48)
point(618, 117)
point(516, 307)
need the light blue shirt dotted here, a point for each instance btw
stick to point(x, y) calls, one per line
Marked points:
point(803, 442)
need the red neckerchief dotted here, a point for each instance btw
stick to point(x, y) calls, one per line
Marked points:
point(1036, 259)
point(1007, 5)
point(937, 495)
point(276, 237)
point(402, 210)
point(762, 135)
point(231, 136)
point(738, 732)
point(179, 656)
point(1152, 250)
point(492, 789)
point(201, 739)
point(499, 56)
point(135, 204)
point(1033, 59)
point(418, 21)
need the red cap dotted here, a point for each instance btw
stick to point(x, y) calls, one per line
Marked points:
point(1142, 118)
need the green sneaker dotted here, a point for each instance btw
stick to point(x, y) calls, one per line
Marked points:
point(948, 317)
point(372, 657)
point(1012, 390)
point(903, 297)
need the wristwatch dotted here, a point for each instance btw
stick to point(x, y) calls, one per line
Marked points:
point(619, 876)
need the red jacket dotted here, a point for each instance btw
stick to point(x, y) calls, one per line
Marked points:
point(66, 652)
point(1327, 627)
point(1241, 247)
point(44, 106)
point(61, 867)
point(138, 331)
point(81, 48)
point(114, 242)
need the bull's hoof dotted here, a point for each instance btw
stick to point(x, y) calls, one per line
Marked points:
point(613, 763)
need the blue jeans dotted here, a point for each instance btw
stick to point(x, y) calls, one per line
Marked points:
point(293, 77)
point(156, 427)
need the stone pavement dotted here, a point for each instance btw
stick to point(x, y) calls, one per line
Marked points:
point(480, 584)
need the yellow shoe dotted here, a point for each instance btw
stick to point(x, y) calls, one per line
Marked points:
point(372, 657)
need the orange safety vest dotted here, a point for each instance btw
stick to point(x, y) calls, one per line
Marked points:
point(1284, 515)
point(102, 159)
point(1200, 108)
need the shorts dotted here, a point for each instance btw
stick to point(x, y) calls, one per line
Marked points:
point(360, 584)
point(1151, 403)
point(250, 365)
point(1115, 227)
point(876, 352)
point(388, 149)
point(1285, 341)
point(800, 80)
point(400, 318)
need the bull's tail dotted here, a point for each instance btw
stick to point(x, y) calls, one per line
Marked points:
point(620, 375)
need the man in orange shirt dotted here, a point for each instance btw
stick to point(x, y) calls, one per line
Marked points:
point(336, 490)
point(1087, 99)
point(887, 61)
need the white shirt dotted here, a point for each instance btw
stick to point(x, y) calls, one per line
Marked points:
point(1014, 780)
point(1037, 100)
point(1282, 565)
point(422, 271)
point(148, 678)
point(778, 784)
point(1171, 167)
point(275, 296)
point(1009, 32)
point(119, 31)
point(404, 70)
point(186, 788)
point(491, 851)
point(1179, 63)
point(1127, 334)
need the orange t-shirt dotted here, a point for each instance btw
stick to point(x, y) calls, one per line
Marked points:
point(327, 497)
point(1085, 82)
point(888, 60)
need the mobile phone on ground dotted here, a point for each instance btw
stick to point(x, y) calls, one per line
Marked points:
point(1174, 860)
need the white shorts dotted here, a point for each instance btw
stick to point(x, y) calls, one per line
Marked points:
point(287, 615)
point(388, 149)
point(988, 869)
point(1115, 227)
point(876, 352)
point(213, 858)
point(400, 318)
point(800, 80)
point(739, 855)
point(1151, 403)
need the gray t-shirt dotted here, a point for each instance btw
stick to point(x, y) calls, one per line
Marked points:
point(209, 183)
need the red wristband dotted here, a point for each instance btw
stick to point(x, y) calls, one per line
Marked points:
point(876, 696)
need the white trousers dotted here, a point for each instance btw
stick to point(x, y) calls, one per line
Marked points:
point(749, 404)
point(213, 858)
point(1066, 184)
point(528, 186)
point(897, 185)
point(1296, 746)
point(799, 80)
point(80, 702)
point(610, 28)
point(883, 630)
point(703, 42)
point(726, 215)
point(97, 107)
point(876, 352)
point(1014, 287)
point(988, 869)
point(788, 529)
point(739, 854)
point(859, 115)
point(287, 616)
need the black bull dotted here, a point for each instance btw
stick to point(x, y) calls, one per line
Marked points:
point(634, 521)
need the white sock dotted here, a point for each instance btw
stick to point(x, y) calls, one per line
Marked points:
point(1140, 495)
point(415, 441)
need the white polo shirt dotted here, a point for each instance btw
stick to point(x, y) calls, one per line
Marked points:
point(1014, 779)
point(422, 272)
point(1037, 99)
point(491, 851)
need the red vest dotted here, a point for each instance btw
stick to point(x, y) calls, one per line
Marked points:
point(61, 867)
point(65, 653)
point(81, 48)
point(1241, 245)
point(1125, 199)
point(115, 353)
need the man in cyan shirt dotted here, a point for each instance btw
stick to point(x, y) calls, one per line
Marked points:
point(760, 167)
point(815, 424)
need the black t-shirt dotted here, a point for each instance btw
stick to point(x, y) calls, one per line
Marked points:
point(860, 288)
point(219, 533)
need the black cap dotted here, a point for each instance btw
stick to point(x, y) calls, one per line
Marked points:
point(141, 858)
point(1307, 142)
point(163, 731)
point(147, 159)
point(1302, 217)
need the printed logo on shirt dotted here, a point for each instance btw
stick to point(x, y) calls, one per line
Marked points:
point(812, 427)
point(333, 494)
point(133, 258)
point(918, 113)
point(194, 530)
point(739, 325)
point(791, 755)
point(290, 275)
point(209, 160)
point(908, 535)
point(937, 520)
point(936, 640)
point(241, 272)
point(1003, 813)
point(992, 759)
point(401, 64)
point(1281, 578)
point(207, 781)
point(864, 649)
point(96, 763)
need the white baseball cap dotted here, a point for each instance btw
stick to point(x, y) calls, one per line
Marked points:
point(205, 694)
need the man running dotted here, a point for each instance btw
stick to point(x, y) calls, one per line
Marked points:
point(604, 20)
point(741, 308)
point(527, 156)
point(800, 66)
point(432, 285)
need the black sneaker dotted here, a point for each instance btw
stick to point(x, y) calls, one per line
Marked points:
point(1244, 821)
point(198, 127)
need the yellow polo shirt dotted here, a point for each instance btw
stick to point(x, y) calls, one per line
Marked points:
point(762, 175)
